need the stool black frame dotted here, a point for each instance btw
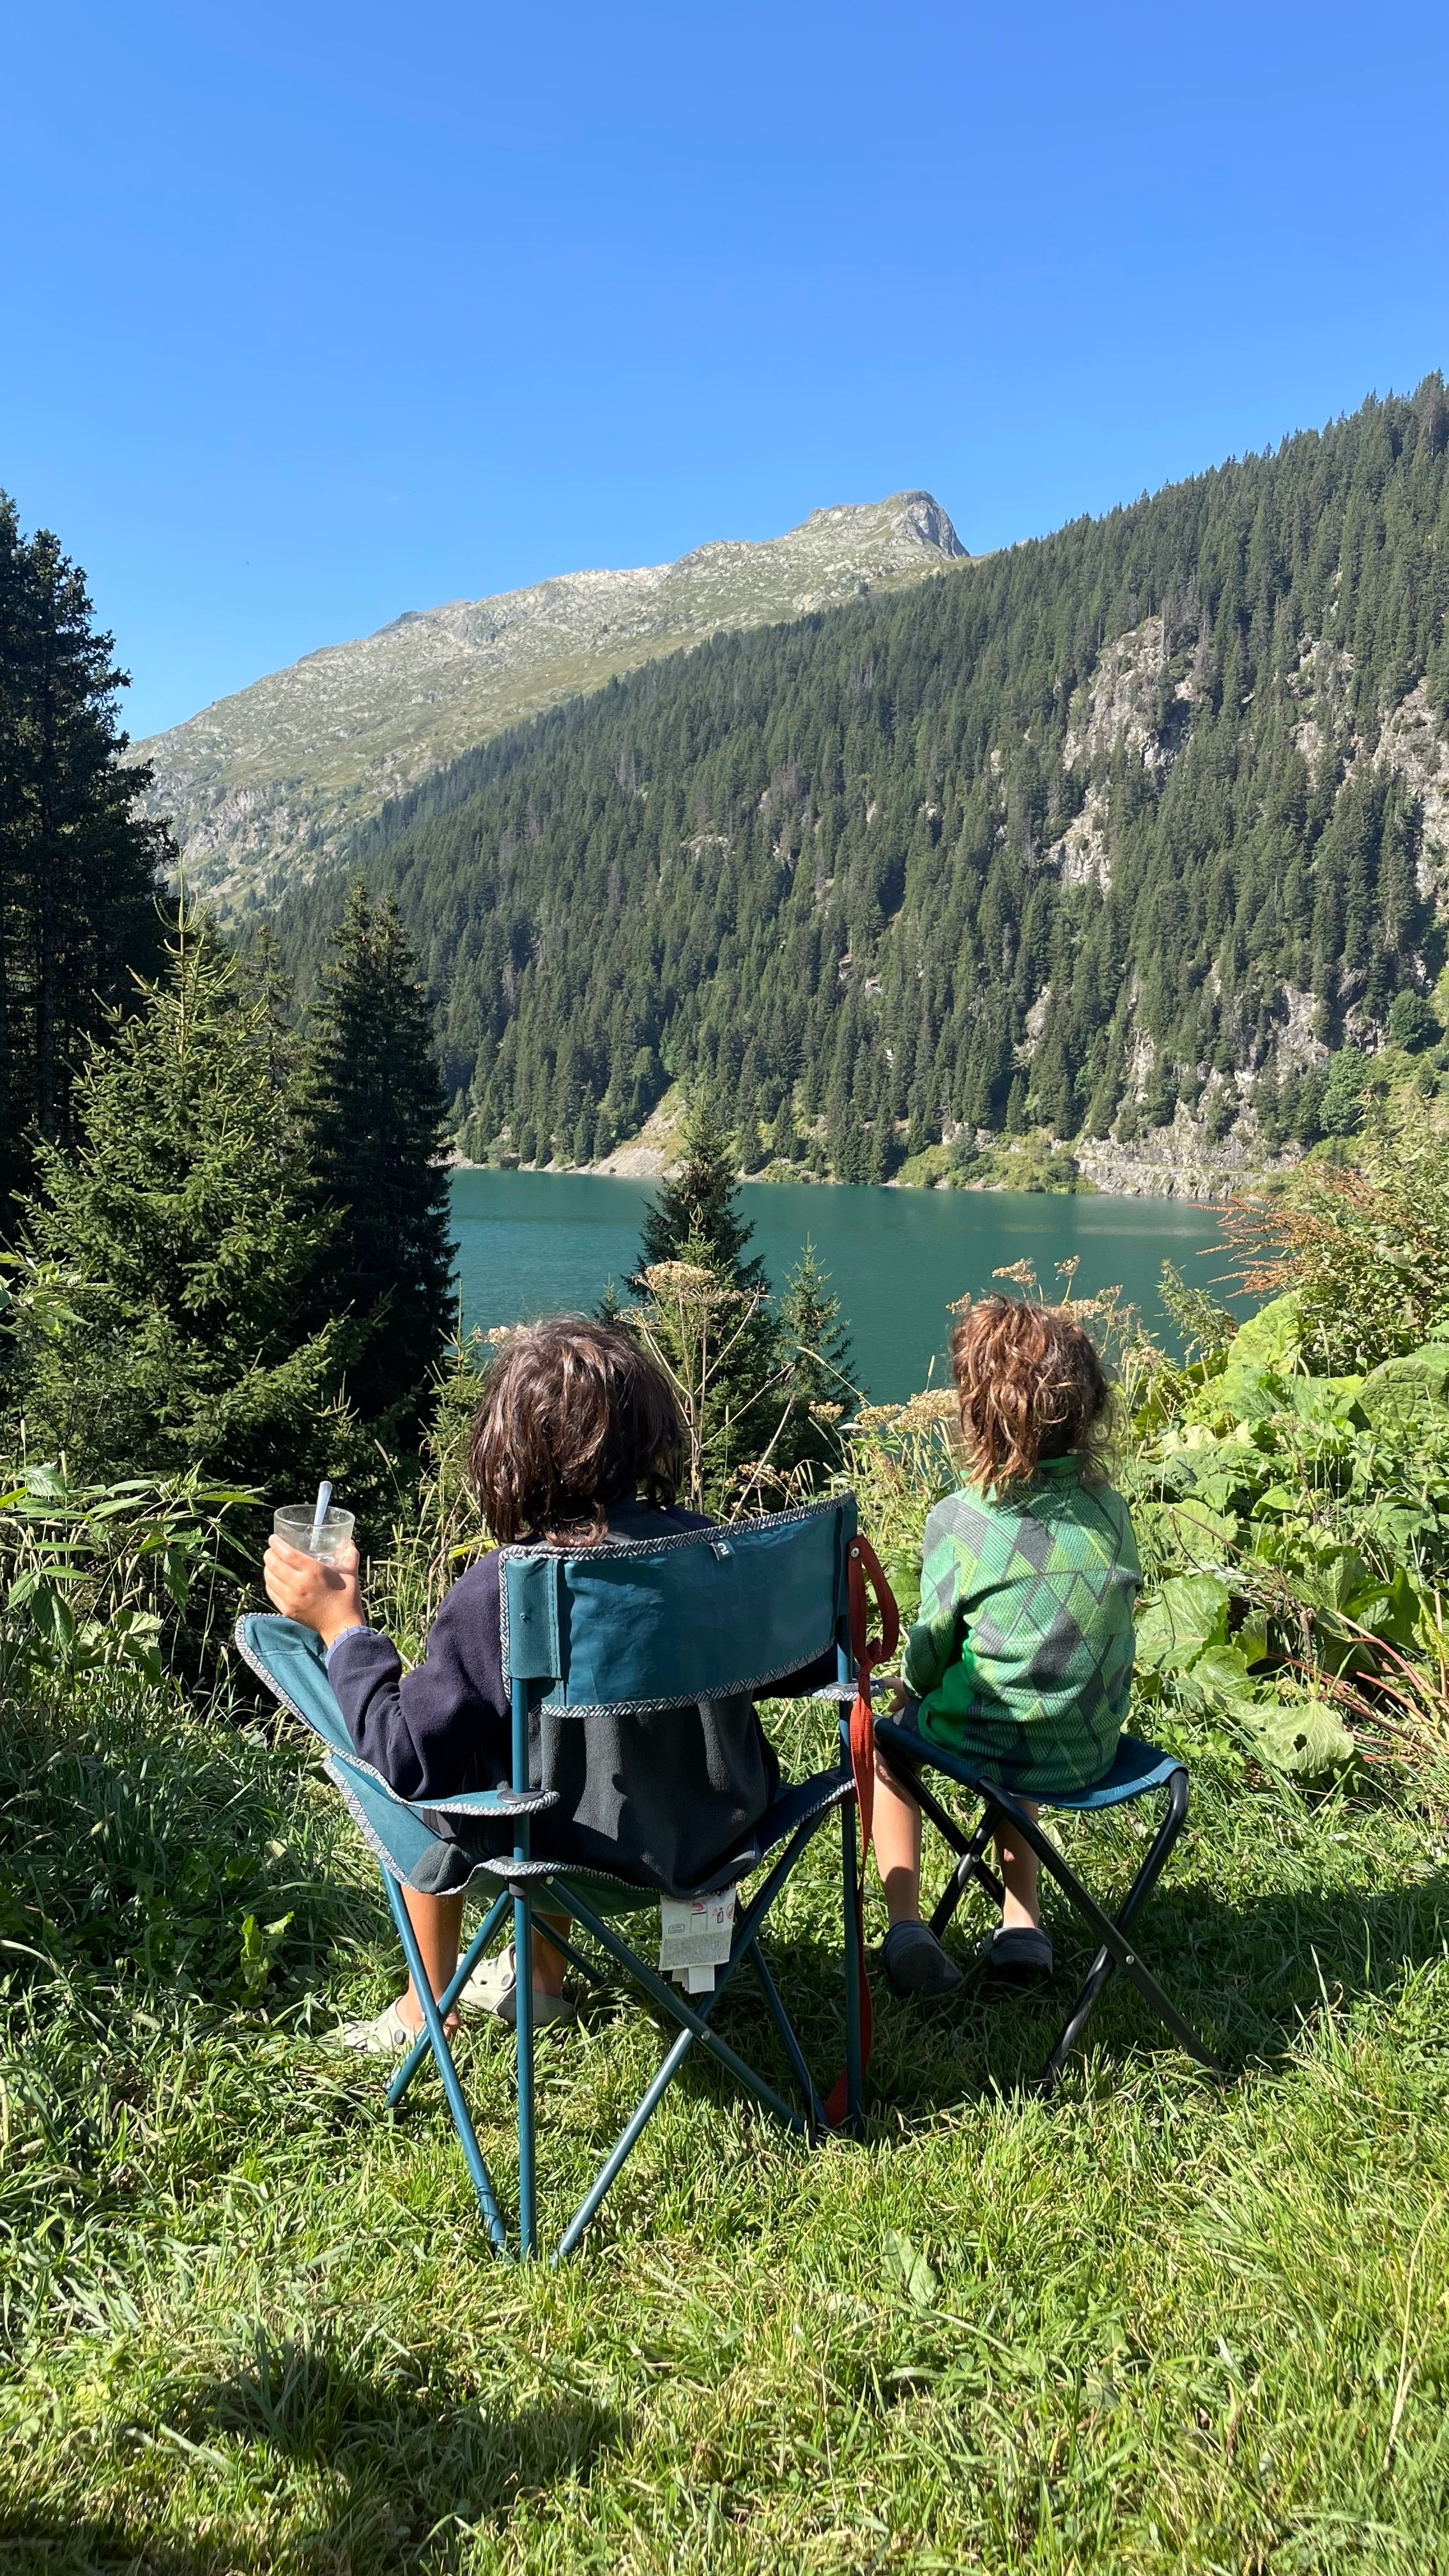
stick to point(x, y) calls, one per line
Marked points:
point(1139, 1769)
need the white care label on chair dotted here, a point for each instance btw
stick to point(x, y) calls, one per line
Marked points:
point(694, 1938)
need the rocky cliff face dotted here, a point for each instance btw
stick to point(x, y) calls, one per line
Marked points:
point(1141, 701)
point(263, 787)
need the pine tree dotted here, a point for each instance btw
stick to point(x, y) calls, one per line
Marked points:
point(373, 1137)
point(784, 1142)
point(701, 1203)
point(182, 1223)
point(79, 873)
point(818, 1380)
point(1341, 1105)
point(1413, 1022)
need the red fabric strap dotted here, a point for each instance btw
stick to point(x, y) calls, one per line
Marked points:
point(863, 1568)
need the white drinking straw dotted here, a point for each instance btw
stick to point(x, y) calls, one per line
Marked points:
point(324, 1498)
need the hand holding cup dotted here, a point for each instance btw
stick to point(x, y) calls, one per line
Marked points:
point(321, 1591)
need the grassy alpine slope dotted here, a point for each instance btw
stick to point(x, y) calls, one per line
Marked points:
point(1164, 2323)
point(262, 787)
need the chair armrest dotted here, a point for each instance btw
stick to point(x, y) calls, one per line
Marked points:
point(469, 1802)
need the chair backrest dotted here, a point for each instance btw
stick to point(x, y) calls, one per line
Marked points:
point(698, 1614)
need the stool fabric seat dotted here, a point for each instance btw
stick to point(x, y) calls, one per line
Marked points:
point(1136, 1768)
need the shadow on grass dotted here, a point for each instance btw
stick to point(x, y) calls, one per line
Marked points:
point(42, 2545)
point(406, 2463)
point(149, 1856)
point(1248, 1975)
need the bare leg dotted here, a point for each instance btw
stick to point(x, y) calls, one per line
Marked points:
point(548, 1963)
point(438, 1923)
point(1021, 1907)
point(897, 1847)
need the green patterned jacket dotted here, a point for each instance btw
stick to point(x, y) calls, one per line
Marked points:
point(1023, 1652)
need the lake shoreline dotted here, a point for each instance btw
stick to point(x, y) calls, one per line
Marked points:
point(1179, 1160)
point(533, 1242)
point(1189, 1184)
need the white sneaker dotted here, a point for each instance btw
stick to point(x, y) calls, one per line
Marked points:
point(493, 1988)
point(387, 2036)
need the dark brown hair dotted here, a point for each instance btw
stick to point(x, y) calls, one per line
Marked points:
point(1029, 1385)
point(574, 1417)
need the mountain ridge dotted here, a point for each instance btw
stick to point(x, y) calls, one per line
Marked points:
point(1136, 834)
point(264, 787)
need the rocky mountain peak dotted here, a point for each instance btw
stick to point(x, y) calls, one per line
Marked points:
point(262, 788)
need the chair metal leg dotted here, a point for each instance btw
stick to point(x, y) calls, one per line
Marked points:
point(575, 1957)
point(968, 1867)
point(663, 2077)
point(814, 2107)
point(908, 1777)
point(625, 2143)
point(523, 2033)
point(695, 2027)
point(854, 1969)
point(466, 1965)
point(695, 2023)
point(1110, 1930)
point(523, 1988)
point(438, 2041)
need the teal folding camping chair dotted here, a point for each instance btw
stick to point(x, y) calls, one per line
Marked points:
point(626, 1628)
point(1137, 1771)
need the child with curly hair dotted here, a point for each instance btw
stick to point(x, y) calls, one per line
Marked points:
point(1022, 1656)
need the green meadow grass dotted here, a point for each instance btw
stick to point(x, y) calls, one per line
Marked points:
point(251, 2321)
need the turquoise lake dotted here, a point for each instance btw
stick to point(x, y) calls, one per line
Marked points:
point(545, 1243)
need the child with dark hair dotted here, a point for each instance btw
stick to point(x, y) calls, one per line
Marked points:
point(578, 1439)
point(1022, 1656)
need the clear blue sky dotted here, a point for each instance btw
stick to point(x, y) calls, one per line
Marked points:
point(319, 312)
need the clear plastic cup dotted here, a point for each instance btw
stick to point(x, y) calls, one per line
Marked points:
point(295, 1522)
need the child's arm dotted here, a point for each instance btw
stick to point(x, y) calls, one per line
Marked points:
point(434, 1732)
point(931, 1649)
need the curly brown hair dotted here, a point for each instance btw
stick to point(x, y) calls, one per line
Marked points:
point(1029, 1385)
point(574, 1417)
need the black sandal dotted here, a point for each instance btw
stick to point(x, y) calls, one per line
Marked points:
point(1019, 1954)
point(915, 1962)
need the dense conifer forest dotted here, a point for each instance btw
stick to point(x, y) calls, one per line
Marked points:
point(79, 870)
point(1121, 816)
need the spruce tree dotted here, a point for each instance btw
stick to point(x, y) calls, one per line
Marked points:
point(79, 872)
point(1341, 1105)
point(818, 1379)
point(696, 1221)
point(181, 1222)
point(374, 1141)
point(701, 1203)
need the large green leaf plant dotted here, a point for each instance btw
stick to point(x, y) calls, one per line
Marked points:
point(1295, 1533)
